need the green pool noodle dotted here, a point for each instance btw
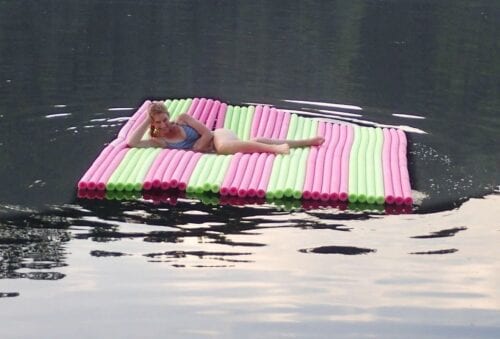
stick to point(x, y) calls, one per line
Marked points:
point(172, 107)
point(301, 175)
point(220, 176)
point(353, 167)
point(292, 127)
point(214, 172)
point(363, 143)
point(208, 167)
point(185, 106)
point(195, 176)
point(248, 123)
point(271, 186)
point(229, 117)
point(306, 129)
point(379, 174)
point(282, 177)
point(370, 168)
point(129, 179)
point(182, 107)
point(299, 128)
point(115, 177)
point(236, 119)
point(291, 177)
point(167, 103)
point(144, 168)
point(241, 122)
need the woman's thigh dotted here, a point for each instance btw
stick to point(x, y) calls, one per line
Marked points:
point(222, 137)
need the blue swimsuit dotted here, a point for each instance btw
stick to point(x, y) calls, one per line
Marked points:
point(191, 137)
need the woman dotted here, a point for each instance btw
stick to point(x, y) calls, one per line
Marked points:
point(189, 133)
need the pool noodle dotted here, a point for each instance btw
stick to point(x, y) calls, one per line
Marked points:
point(176, 176)
point(192, 108)
point(277, 126)
point(292, 126)
point(128, 125)
point(386, 161)
point(282, 176)
point(166, 178)
point(148, 179)
point(82, 183)
point(129, 176)
point(158, 176)
point(142, 171)
point(336, 166)
point(403, 166)
point(224, 190)
point(199, 108)
point(206, 111)
point(328, 169)
point(195, 175)
point(301, 173)
point(363, 143)
point(214, 173)
point(256, 121)
point(229, 117)
point(248, 123)
point(250, 169)
point(291, 179)
point(311, 164)
point(379, 178)
point(266, 175)
point(235, 120)
point(212, 116)
point(264, 118)
point(238, 177)
point(204, 173)
point(116, 181)
point(257, 175)
point(353, 166)
point(320, 165)
point(93, 182)
point(274, 176)
point(216, 185)
point(188, 171)
point(113, 165)
point(284, 126)
point(239, 125)
point(268, 132)
point(370, 169)
point(396, 178)
point(221, 116)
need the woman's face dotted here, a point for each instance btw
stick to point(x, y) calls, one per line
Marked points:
point(162, 123)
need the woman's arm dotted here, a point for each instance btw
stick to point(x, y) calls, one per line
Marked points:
point(134, 139)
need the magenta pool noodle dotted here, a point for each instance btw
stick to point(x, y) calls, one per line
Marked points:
point(221, 116)
point(344, 174)
point(250, 169)
point(336, 166)
point(386, 164)
point(160, 165)
point(103, 180)
point(193, 106)
point(403, 166)
point(148, 180)
point(266, 174)
point(224, 188)
point(176, 176)
point(199, 108)
point(82, 184)
point(311, 164)
point(161, 169)
point(270, 123)
point(256, 121)
point(320, 164)
point(396, 182)
point(264, 117)
point(126, 128)
point(188, 171)
point(370, 166)
point(143, 115)
point(169, 170)
point(257, 175)
point(212, 116)
point(93, 181)
point(238, 177)
point(206, 111)
point(284, 126)
point(277, 125)
point(328, 169)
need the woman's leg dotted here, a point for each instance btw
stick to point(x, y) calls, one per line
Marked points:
point(316, 141)
point(226, 142)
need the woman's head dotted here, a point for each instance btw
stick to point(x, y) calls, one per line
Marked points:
point(158, 114)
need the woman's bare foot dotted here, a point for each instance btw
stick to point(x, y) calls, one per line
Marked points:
point(317, 141)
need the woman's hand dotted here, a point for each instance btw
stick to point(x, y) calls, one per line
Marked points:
point(204, 143)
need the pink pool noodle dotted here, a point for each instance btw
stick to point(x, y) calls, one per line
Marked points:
point(320, 164)
point(83, 183)
point(284, 126)
point(256, 121)
point(221, 116)
point(250, 172)
point(231, 172)
point(270, 123)
point(113, 165)
point(403, 166)
point(206, 111)
point(396, 182)
point(277, 125)
point(137, 122)
point(93, 181)
point(239, 174)
point(169, 170)
point(328, 169)
point(257, 175)
point(336, 166)
point(193, 106)
point(212, 116)
point(264, 118)
point(200, 108)
point(266, 175)
point(311, 164)
point(344, 174)
point(128, 125)
point(188, 171)
point(148, 180)
point(386, 166)
point(158, 175)
point(176, 176)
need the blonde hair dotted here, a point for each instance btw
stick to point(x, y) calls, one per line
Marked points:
point(156, 108)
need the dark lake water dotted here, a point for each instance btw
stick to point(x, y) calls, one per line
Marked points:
point(71, 72)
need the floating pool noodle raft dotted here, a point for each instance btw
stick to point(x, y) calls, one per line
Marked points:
point(355, 164)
